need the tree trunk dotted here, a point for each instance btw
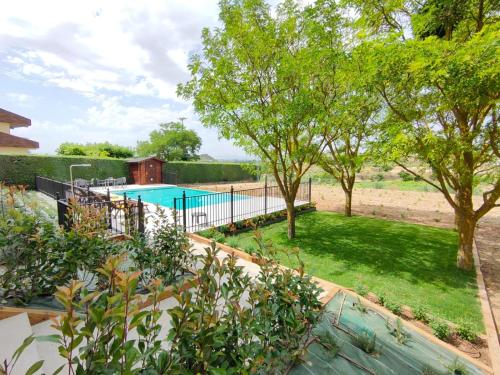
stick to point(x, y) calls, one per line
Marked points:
point(466, 226)
point(290, 211)
point(348, 203)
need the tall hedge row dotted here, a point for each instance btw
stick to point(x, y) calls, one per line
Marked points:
point(21, 169)
point(194, 172)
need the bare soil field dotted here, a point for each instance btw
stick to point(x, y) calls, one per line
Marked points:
point(427, 208)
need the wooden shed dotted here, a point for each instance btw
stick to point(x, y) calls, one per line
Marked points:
point(148, 170)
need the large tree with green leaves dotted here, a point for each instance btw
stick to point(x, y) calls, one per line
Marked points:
point(436, 67)
point(351, 111)
point(256, 82)
point(173, 141)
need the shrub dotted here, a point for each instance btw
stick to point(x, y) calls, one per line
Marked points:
point(377, 177)
point(232, 241)
point(250, 248)
point(421, 313)
point(405, 176)
point(210, 331)
point(365, 340)
point(466, 332)
point(163, 253)
point(440, 329)
point(382, 299)
point(361, 289)
point(395, 308)
point(21, 169)
point(197, 172)
point(219, 237)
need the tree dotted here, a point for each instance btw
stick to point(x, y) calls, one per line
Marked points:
point(255, 83)
point(441, 84)
point(104, 149)
point(352, 116)
point(172, 142)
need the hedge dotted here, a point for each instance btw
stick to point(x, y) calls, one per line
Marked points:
point(21, 169)
point(194, 172)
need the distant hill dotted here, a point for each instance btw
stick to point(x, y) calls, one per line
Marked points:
point(206, 157)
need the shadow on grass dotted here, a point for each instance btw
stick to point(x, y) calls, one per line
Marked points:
point(412, 252)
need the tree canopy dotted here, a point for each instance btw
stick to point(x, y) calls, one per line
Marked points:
point(173, 141)
point(255, 82)
point(436, 67)
point(103, 149)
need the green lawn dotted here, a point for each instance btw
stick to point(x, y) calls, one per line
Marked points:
point(409, 264)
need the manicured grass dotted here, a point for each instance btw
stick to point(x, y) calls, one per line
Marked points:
point(409, 264)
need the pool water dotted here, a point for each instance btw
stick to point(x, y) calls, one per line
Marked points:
point(164, 196)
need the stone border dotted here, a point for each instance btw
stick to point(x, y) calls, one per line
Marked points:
point(489, 320)
point(332, 289)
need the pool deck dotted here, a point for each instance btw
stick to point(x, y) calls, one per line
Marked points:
point(199, 218)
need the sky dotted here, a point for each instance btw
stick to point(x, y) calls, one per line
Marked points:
point(93, 71)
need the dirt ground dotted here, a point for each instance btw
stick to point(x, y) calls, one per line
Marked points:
point(428, 208)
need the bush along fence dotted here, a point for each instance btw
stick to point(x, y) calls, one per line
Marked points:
point(20, 169)
point(200, 172)
point(77, 207)
point(200, 212)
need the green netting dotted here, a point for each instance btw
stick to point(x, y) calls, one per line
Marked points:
point(398, 350)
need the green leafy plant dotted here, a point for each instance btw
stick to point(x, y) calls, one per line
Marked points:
point(397, 330)
point(162, 253)
point(421, 313)
point(361, 289)
point(466, 332)
point(358, 305)
point(365, 340)
point(7, 367)
point(440, 329)
point(232, 241)
point(395, 308)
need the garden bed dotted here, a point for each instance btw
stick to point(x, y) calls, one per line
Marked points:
point(248, 225)
point(474, 356)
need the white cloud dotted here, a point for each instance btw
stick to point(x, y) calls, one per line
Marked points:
point(111, 52)
point(19, 97)
point(120, 45)
point(114, 122)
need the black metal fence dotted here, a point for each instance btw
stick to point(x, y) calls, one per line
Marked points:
point(199, 212)
point(52, 188)
point(82, 207)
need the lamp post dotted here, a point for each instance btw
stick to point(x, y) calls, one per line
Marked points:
point(71, 175)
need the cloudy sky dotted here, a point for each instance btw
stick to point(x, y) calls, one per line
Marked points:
point(87, 71)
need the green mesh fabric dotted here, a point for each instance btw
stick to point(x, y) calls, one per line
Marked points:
point(345, 320)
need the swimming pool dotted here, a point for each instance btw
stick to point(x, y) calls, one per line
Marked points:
point(164, 196)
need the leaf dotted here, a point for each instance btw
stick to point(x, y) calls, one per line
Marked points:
point(35, 367)
point(48, 338)
point(27, 342)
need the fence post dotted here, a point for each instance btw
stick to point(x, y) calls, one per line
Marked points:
point(232, 204)
point(140, 214)
point(265, 196)
point(110, 208)
point(310, 189)
point(184, 209)
point(125, 213)
point(60, 214)
point(175, 212)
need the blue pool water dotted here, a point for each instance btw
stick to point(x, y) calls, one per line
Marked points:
point(164, 196)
